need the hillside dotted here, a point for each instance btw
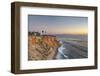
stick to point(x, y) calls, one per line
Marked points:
point(43, 47)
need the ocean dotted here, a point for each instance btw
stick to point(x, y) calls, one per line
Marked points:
point(72, 37)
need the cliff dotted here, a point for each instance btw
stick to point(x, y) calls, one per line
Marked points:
point(43, 47)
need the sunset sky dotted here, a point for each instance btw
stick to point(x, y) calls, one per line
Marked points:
point(58, 24)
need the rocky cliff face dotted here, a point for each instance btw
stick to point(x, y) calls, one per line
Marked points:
point(42, 47)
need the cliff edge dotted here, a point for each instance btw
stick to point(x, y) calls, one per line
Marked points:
point(43, 47)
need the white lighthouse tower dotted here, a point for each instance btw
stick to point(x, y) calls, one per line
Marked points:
point(43, 32)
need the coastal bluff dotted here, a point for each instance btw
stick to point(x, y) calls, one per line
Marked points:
point(42, 47)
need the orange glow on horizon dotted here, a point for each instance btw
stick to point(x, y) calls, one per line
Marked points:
point(73, 31)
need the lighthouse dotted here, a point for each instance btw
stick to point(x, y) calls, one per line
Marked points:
point(43, 32)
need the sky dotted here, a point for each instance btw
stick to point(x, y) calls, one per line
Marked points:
point(58, 24)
